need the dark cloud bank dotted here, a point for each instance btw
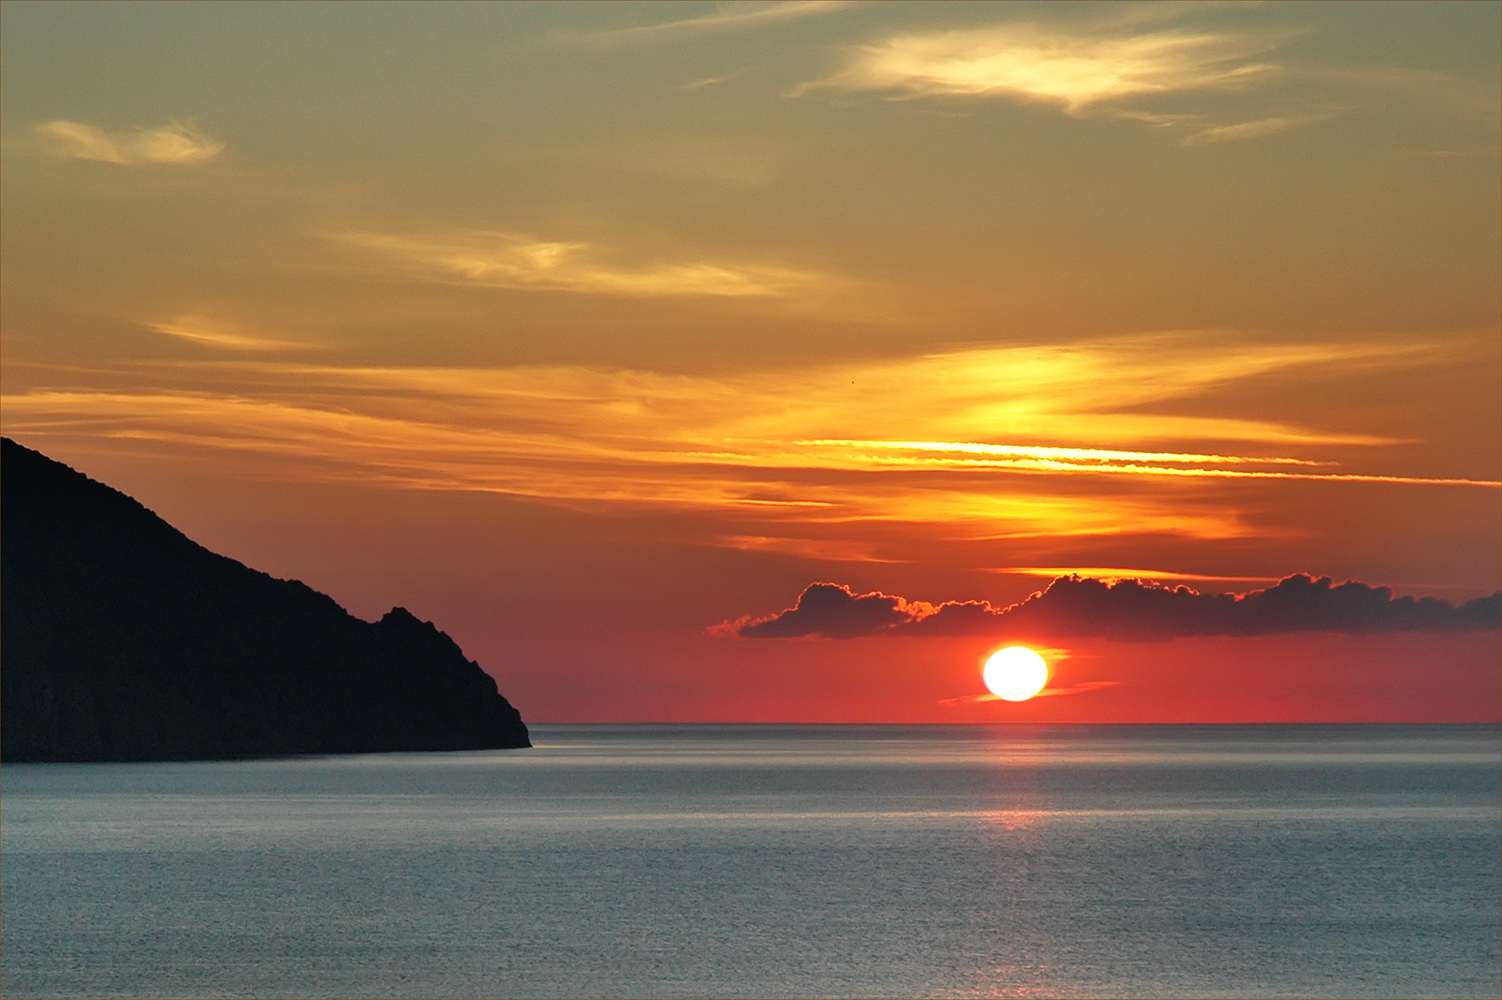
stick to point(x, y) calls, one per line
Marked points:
point(1128, 609)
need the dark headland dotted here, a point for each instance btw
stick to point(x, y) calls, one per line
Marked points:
point(122, 639)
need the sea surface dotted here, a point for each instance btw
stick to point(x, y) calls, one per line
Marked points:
point(768, 861)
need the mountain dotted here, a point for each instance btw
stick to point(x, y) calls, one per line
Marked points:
point(122, 639)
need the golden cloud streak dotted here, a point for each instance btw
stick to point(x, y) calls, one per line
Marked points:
point(819, 549)
point(1048, 394)
point(1075, 68)
point(498, 259)
point(1082, 454)
point(1108, 69)
point(725, 19)
point(340, 445)
point(1236, 131)
point(175, 143)
point(1145, 470)
point(208, 333)
point(773, 446)
point(1118, 573)
point(1104, 462)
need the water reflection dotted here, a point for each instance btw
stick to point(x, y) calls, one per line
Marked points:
point(775, 861)
point(1015, 980)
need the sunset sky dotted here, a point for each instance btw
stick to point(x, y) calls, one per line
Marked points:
point(597, 333)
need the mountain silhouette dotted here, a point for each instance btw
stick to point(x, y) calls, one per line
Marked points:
point(123, 639)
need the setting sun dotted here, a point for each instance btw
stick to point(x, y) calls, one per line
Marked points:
point(1015, 673)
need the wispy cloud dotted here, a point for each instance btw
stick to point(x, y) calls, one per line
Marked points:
point(987, 443)
point(1101, 461)
point(1250, 129)
point(176, 143)
point(1073, 67)
point(1111, 574)
point(208, 332)
point(729, 17)
point(816, 549)
point(714, 81)
point(1112, 67)
point(1144, 63)
point(510, 260)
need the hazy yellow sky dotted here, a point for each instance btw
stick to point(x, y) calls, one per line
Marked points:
point(585, 327)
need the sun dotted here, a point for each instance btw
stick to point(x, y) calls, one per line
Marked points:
point(1015, 673)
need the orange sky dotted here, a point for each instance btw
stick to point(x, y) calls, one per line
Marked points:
point(581, 329)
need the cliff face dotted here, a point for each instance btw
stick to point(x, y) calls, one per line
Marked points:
point(122, 639)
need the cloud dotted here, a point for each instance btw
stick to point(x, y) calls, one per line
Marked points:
point(176, 143)
point(836, 612)
point(1143, 63)
point(1088, 456)
point(1112, 67)
point(1073, 67)
point(714, 81)
point(1077, 607)
point(499, 259)
point(210, 333)
point(818, 549)
point(1114, 573)
point(1249, 130)
point(727, 18)
point(1102, 461)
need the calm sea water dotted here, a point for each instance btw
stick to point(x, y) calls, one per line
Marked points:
point(773, 861)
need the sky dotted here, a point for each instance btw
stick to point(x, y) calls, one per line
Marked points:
point(598, 334)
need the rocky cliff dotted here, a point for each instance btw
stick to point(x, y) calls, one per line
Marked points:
point(122, 639)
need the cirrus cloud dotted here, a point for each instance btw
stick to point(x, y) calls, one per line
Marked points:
point(1114, 68)
point(1071, 67)
point(726, 18)
point(176, 143)
point(207, 332)
point(779, 448)
point(496, 259)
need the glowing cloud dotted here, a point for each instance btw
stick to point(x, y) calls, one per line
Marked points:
point(1113, 573)
point(209, 333)
point(820, 549)
point(778, 447)
point(176, 143)
point(1071, 67)
point(329, 441)
point(509, 260)
point(1105, 461)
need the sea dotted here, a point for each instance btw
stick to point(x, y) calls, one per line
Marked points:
point(773, 861)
